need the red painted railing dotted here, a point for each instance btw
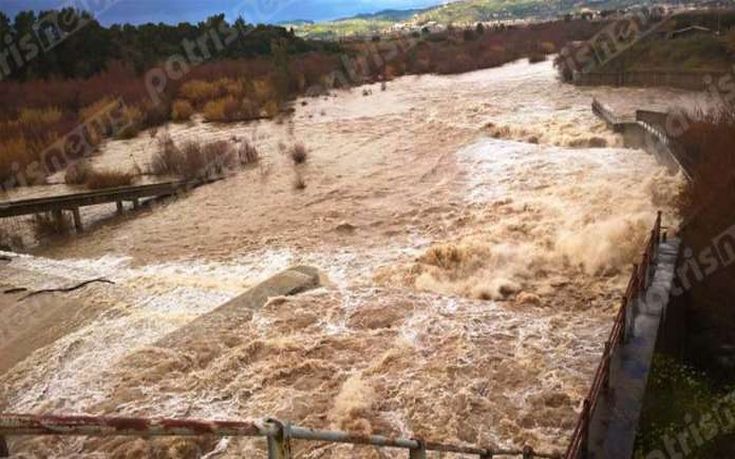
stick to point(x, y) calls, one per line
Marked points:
point(639, 282)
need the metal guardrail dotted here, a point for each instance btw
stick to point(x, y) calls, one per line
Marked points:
point(605, 114)
point(655, 124)
point(278, 434)
point(639, 282)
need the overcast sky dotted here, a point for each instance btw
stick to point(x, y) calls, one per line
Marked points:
point(175, 11)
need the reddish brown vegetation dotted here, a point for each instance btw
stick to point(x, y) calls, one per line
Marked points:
point(707, 205)
point(243, 89)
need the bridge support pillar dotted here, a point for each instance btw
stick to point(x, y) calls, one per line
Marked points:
point(120, 208)
point(136, 204)
point(77, 219)
point(4, 451)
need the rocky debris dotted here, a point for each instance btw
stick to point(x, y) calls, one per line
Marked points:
point(346, 227)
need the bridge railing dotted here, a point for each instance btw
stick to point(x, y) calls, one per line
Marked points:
point(639, 282)
point(655, 123)
point(605, 113)
point(279, 435)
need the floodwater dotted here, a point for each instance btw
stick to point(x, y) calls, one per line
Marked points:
point(475, 233)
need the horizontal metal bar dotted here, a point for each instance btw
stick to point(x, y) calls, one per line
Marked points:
point(18, 424)
point(302, 433)
point(14, 424)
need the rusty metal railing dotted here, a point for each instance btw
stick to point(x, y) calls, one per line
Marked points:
point(639, 282)
point(279, 435)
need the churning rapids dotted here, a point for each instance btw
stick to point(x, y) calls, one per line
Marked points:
point(475, 233)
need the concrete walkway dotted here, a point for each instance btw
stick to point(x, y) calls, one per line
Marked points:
point(615, 421)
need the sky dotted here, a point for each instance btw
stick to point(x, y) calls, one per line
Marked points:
point(254, 11)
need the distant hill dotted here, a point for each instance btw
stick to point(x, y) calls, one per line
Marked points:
point(390, 15)
point(458, 12)
point(295, 22)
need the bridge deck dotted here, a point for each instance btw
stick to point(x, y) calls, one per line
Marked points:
point(72, 202)
point(615, 423)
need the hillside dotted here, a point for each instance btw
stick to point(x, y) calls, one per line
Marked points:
point(458, 13)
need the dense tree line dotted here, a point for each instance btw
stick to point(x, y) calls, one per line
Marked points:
point(72, 44)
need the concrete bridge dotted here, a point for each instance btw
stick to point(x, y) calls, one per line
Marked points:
point(649, 131)
point(59, 204)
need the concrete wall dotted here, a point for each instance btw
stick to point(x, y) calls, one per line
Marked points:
point(693, 80)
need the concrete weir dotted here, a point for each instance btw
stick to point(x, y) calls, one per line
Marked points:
point(240, 310)
point(615, 422)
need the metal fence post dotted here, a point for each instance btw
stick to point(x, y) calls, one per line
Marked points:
point(419, 452)
point(279, 445)
point(584, 447)
point(608, 359)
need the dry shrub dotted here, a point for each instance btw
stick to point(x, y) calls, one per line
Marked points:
point(43, 117)
point(16, 155)
point(299, 183)
point(270, 109)
point(181, 110)
point(10, 242)
point(264, 90)
point(193, 160)
point(97, 180)
point(92, 110)
point(709, 141)
point(707, 205)
point(134, 118)
point(51, 225)
point(247, 153)
point(535, 58)
point(77, 173)
point(199, 91)
point(223, 110)
point(298, 154)
point(167, 159)
point(234, 88)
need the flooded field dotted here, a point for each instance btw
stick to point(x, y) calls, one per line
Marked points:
point(475, 233)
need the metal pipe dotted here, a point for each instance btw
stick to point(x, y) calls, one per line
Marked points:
point(278, 433)
point(14, 424)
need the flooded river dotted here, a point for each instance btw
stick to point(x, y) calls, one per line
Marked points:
point(475, 233)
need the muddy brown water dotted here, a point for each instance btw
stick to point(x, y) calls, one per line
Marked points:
point(475, 248)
